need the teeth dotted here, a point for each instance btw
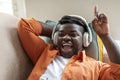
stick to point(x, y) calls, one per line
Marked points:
point(67, 44)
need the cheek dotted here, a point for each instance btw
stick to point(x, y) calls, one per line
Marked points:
point(78, 42)
point(59, 40)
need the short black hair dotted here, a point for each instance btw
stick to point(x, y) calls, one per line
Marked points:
point(72, 19)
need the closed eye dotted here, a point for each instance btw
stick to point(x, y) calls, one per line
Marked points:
point(74, 34)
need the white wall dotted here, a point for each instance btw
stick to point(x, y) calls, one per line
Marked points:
point(19, 8)
point(55, 9)
point(6, 6)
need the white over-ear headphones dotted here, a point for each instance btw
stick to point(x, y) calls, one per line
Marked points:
point(87, 36)
point(53, 37)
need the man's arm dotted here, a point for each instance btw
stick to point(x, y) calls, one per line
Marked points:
point(101, 27)
point(112, 48)
point(46, 29)
point(29, 31)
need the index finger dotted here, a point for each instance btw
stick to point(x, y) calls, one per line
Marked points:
point(96, 11)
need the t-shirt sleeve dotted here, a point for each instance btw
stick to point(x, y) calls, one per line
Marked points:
point(109, 71)
point(29, 31)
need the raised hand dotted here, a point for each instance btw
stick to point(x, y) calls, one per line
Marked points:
point(100, 23)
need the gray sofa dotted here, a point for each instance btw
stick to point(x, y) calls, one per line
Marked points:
point(14, 63)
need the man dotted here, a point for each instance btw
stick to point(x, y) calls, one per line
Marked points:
point(65, 59)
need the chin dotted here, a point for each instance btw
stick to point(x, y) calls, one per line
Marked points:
point(67, 54)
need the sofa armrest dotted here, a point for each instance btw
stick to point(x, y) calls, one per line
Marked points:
point(14, 63)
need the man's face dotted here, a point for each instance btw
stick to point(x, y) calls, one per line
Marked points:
point(69, 39)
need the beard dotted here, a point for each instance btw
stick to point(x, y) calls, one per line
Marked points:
point(68, 53)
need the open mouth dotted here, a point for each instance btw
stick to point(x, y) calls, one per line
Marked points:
point(67, 47)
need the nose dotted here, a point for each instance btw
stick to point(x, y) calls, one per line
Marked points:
point(66, 37)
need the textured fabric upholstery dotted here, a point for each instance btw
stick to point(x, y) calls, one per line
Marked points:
point(14, 63)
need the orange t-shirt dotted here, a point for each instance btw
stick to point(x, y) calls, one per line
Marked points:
point(79, 67)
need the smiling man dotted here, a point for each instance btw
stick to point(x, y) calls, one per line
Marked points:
point(65, 58)
point(68, 38)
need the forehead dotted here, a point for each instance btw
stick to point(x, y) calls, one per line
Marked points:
point(70, 27)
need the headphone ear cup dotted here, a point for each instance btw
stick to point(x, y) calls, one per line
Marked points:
point(54, 38)
point(86, 40)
